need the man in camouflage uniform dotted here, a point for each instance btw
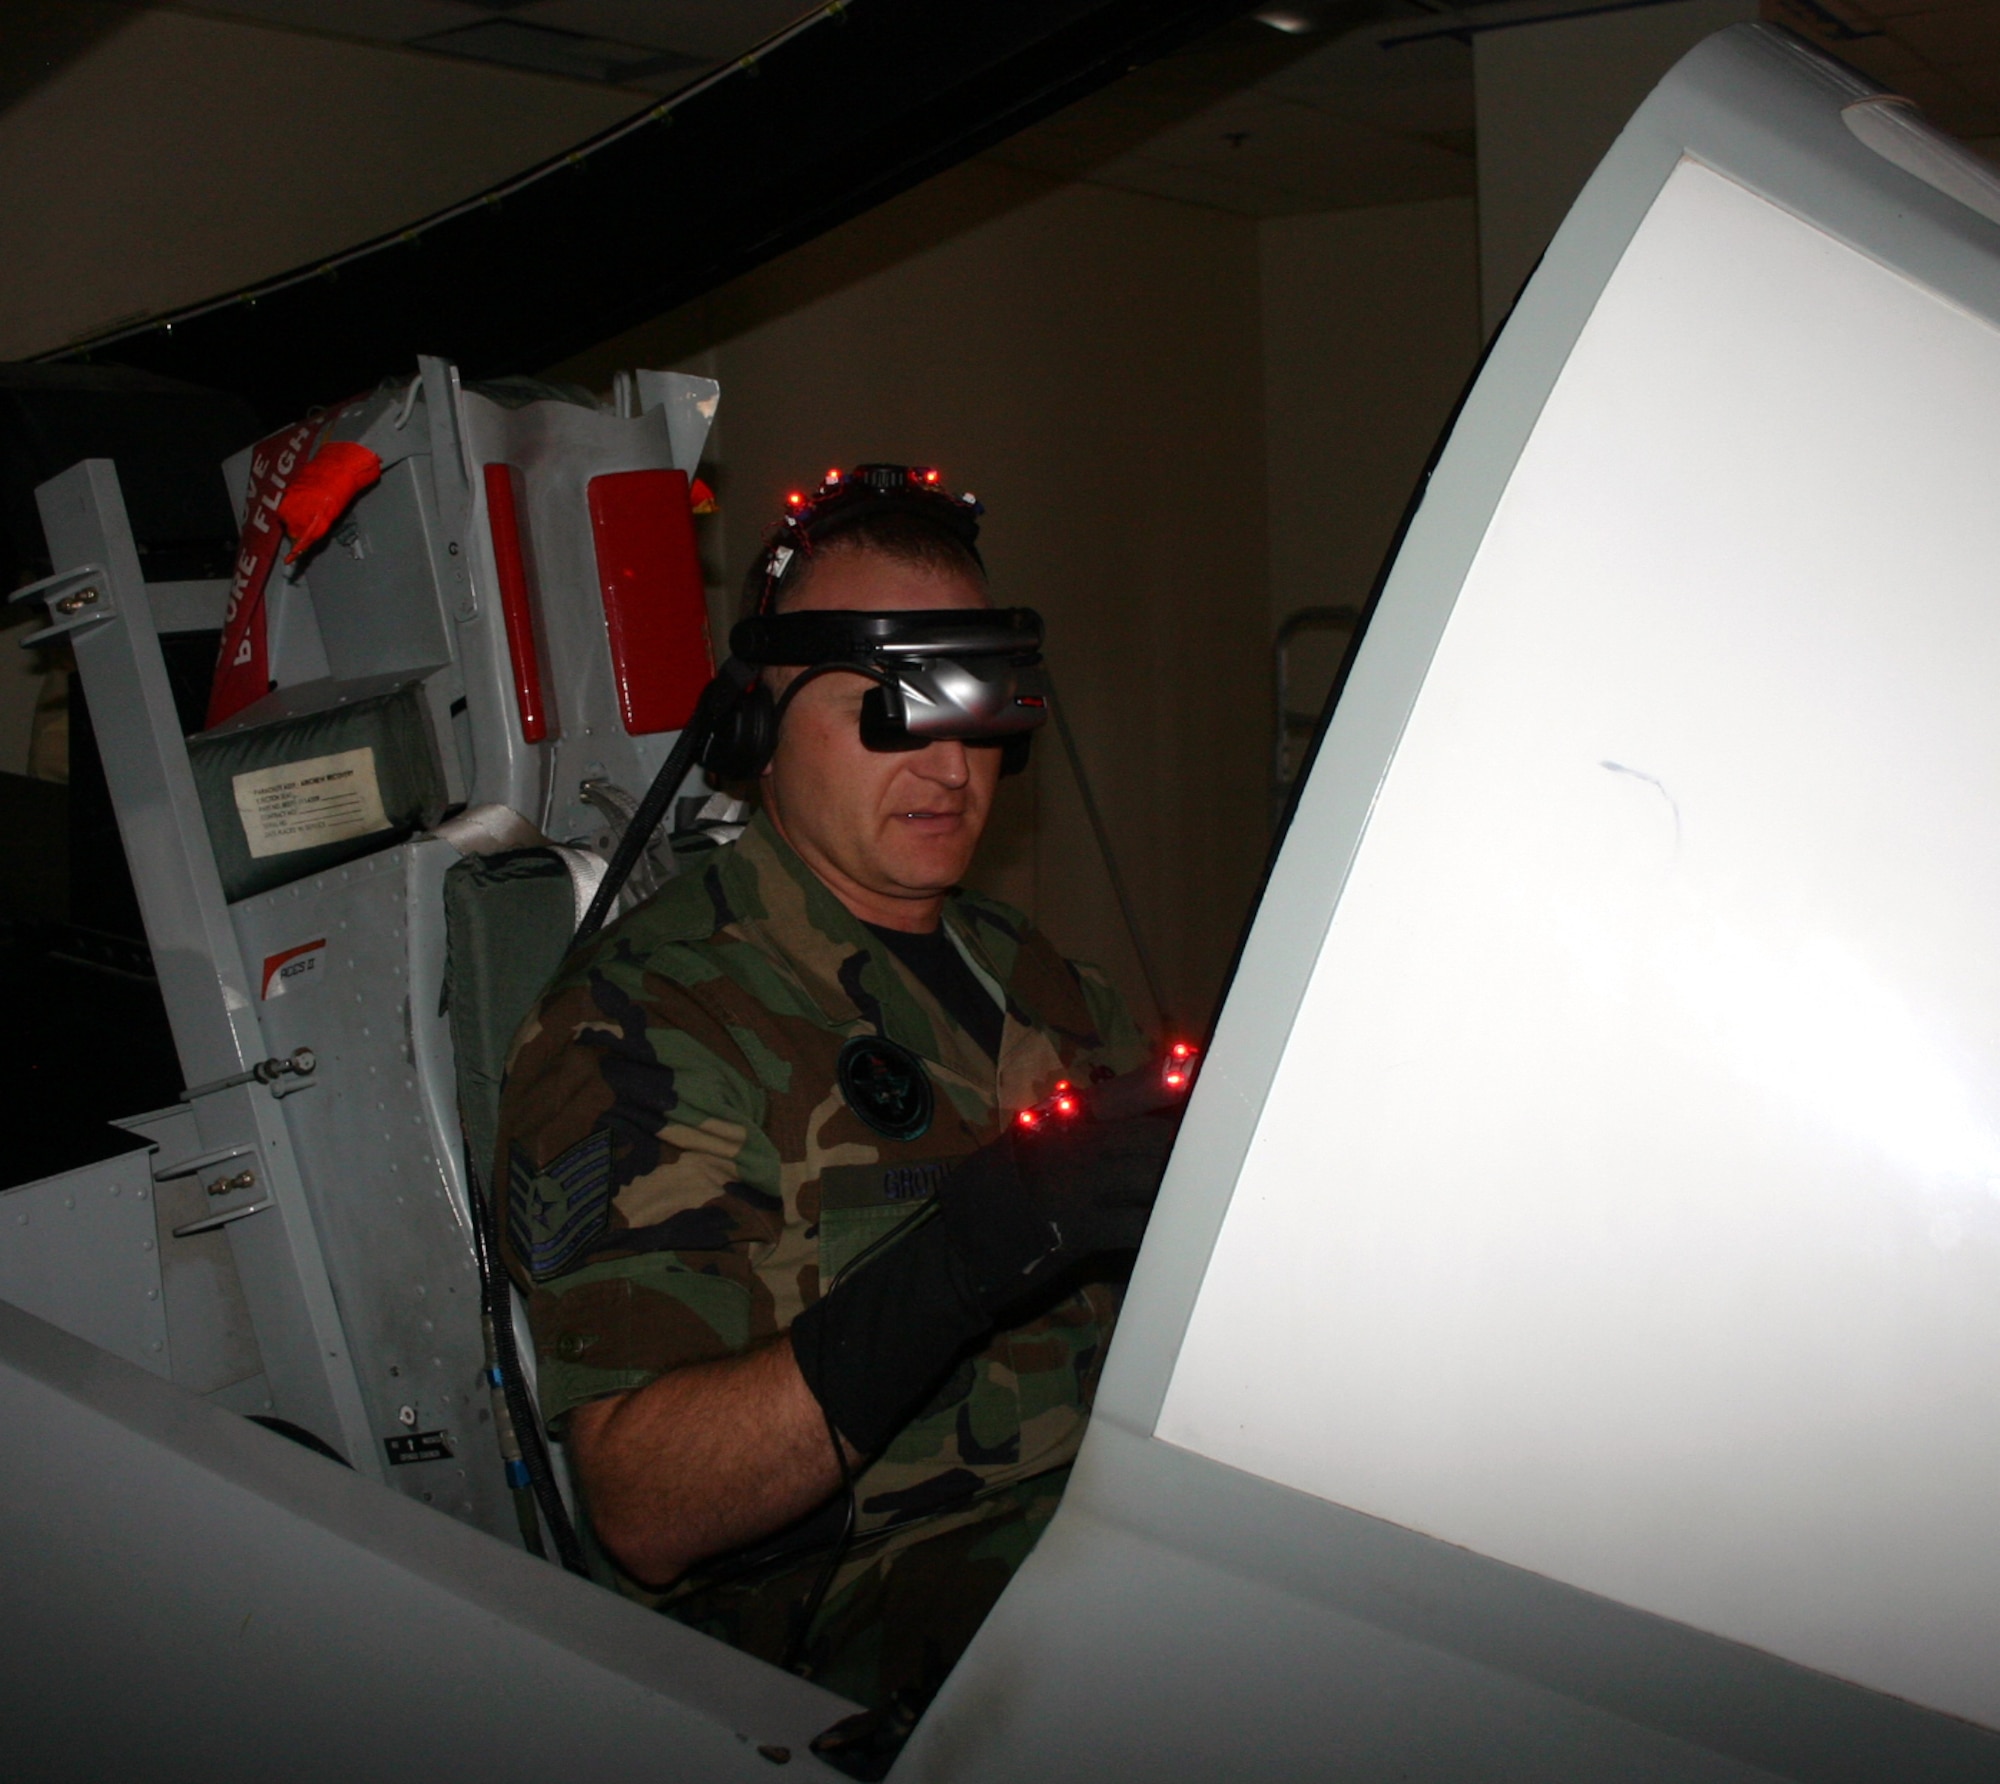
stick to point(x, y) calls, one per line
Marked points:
point(741, 1103)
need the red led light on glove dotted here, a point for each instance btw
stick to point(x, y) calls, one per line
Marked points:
point(1066, 1102)
point(1061, 1100)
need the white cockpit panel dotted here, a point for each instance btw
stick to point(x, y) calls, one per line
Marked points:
point(1626, 1205)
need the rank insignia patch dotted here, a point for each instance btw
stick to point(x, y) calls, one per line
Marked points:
point(556, 1214)
point(885, 1085)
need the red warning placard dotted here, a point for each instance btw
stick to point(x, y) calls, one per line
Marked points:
point(293, 969)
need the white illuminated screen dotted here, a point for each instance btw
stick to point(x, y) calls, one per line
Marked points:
point(1627, 1202)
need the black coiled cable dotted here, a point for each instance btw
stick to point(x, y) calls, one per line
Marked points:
point(521, 1408)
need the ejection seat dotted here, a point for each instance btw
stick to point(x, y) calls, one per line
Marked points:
point(354, 886)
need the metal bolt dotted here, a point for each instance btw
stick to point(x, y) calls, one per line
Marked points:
point(76, 603)
point(408, 1414)
point(223, 1185)
point(300, 1064)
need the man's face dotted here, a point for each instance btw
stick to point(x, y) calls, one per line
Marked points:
point(889, 832)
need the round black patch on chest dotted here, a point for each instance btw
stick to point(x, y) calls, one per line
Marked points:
point(885, 1085)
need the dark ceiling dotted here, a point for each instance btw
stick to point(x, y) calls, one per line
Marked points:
point(770, 121)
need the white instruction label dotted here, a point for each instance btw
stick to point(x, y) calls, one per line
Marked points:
point(300, 805)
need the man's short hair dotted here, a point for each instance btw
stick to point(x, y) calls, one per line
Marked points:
point(894, 533)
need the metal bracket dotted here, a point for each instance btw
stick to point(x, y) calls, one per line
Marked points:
point(213, 1221)
point(186, 1167)
point(76, 599)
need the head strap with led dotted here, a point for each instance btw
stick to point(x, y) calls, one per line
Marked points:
point(846, 498)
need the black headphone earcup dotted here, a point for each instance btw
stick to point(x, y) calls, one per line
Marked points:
point(745, 734)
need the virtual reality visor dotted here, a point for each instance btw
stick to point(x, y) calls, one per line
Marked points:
point(966, 674)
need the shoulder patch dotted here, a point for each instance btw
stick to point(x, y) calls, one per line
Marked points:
point(556, 1214)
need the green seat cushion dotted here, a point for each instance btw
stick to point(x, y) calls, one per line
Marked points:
point(508, 921)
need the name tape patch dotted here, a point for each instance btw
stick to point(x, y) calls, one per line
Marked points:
point(844, 1187)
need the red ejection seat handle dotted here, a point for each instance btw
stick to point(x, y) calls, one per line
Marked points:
point(503, 518)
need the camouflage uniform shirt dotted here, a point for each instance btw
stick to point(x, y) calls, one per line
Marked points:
point(684, 1174)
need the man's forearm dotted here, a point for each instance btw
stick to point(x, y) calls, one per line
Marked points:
point(703, 1460)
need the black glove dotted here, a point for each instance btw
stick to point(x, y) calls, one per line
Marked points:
point(1010, 1217)
point(1030, 1204)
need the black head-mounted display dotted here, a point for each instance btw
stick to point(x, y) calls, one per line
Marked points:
point(953, 674)
point(969, 675)
point(964, 674)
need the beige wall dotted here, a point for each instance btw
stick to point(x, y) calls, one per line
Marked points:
point(1371, 329)
point(1087, 360)
point(182, 156)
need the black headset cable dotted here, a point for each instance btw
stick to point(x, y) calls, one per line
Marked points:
point(716, 698)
